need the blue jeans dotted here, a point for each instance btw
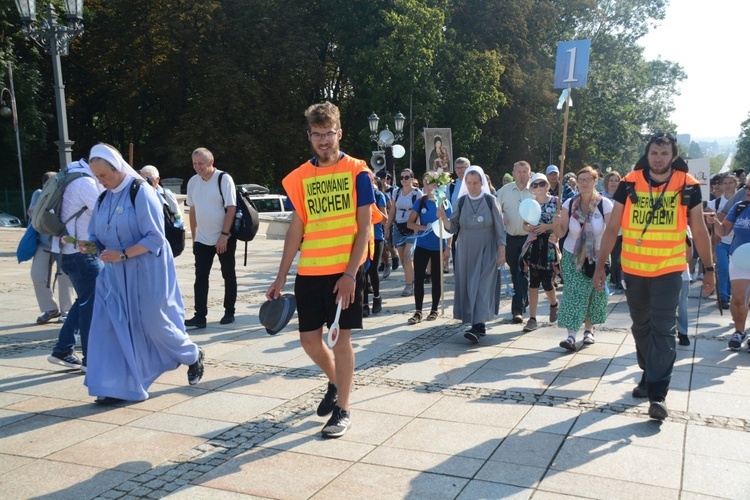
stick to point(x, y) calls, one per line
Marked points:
point(722, 268)
point(82, 269)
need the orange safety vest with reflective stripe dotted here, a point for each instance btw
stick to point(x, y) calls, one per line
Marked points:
point(661, 249)
point(325, 198)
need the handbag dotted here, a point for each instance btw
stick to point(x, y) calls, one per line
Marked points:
point(28, 244)
point(588, 268)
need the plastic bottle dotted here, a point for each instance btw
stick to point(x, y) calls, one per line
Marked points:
point(238, 221)
point(178, 222)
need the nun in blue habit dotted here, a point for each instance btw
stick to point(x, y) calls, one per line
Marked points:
point(137, 329)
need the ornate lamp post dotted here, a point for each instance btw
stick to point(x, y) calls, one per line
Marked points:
point(6, 112)
point(385, 140)
point(55, 38)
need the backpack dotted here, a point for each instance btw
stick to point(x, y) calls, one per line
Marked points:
point(174, 228)
point(46, 217)
point(740, 207)
point(245, 227)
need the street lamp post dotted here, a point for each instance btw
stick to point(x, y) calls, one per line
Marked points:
point(5, 112)
point(55, 38)
point(385, 140)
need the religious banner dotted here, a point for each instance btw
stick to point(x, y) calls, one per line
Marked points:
point(438, 149)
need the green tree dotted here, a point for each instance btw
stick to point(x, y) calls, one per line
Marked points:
point(717, 162)
point(694, 151)
point(36, 119)
point(742, 157)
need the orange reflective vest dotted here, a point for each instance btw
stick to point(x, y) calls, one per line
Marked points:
point(325, 198)
point(661, 249)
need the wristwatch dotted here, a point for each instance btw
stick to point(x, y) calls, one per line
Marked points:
point(123, 255)
point(225, 234)
point(709, 269)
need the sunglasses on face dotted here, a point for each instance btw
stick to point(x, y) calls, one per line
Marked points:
point(535, 185)
point(405, 178)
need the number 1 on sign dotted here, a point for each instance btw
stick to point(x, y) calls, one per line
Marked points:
point(571, 68)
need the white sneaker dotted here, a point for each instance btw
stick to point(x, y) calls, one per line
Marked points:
point(408, 290)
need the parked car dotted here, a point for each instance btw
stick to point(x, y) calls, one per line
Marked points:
point(264, 201)
point(7, 220)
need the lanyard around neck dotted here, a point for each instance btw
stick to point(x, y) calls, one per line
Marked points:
point(655, 205)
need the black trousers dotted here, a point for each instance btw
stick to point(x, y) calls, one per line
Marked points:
point(372, 272)
point(513, 247)
point(421, 257)
point(204, 259)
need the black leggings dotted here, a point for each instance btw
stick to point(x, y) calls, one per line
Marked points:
point(421, 256)
point(372, 272)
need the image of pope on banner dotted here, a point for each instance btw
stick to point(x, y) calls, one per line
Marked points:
point(438, 149)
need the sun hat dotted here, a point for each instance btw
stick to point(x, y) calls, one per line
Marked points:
point(537, 177)
point(552, 168)
point(275, 314)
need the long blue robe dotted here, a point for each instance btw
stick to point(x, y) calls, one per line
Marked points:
point(137, 330)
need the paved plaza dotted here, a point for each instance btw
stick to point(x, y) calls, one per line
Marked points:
point(433, 417)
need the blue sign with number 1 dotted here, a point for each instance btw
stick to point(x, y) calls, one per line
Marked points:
point(572, 64)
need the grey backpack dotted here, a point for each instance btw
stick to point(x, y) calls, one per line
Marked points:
point(46, 217)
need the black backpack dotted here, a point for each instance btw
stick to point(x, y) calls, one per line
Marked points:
point(174, 232)
point(740, 207)
point(246, 227)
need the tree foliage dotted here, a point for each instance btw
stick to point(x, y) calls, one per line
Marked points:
point(236, 75)
point(742, 158)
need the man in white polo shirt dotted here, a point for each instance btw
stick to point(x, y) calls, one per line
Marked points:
point(212, 210)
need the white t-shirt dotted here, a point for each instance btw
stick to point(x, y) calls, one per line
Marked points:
point(597, 222)
point(204, 197)
point(82, 192)
point(404, 202)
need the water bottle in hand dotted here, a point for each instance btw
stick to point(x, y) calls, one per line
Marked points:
point(178, 221)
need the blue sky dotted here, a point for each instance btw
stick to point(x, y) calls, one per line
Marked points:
point(710, 41)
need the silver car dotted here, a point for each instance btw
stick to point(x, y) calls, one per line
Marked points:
point(7, 220)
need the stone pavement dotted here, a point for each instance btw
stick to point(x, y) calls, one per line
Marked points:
point(433, 417)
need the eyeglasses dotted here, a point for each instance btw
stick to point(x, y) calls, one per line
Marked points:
point(405, 178)
point(535, 185)
point(315, 136)
point(663, 136)
point(585, 180)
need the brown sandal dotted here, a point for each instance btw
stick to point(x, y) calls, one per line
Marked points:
point(433, 316)
point(416, 318)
